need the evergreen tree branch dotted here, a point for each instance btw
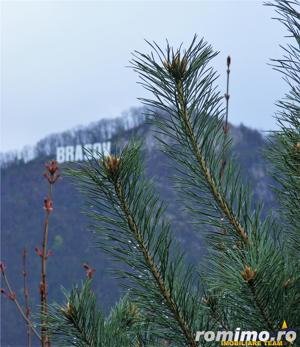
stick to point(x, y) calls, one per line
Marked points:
point(129, 217)
point(217, 194)
point(183, 88)
point(153, 267)
point(79, 323)
point(284, 147)
point(260, 306)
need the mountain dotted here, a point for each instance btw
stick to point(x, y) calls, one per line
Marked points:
point(23, 189)
point(94, 132)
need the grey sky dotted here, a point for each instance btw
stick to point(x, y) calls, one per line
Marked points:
point(63, 62)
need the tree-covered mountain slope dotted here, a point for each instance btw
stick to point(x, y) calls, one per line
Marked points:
point(23, 189)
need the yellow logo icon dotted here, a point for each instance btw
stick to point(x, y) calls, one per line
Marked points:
point(284, 326)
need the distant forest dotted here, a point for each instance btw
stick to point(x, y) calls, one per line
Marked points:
point(102, 130)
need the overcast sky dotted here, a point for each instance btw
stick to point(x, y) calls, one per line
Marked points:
point(63, 62)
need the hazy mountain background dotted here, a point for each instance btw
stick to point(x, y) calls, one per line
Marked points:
point(23, 189)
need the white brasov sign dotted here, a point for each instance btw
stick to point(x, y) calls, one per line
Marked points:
point(77, 153)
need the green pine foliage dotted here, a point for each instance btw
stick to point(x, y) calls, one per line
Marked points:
point(80, 323)
point(250, 277)
point(128, 217)
point(284, 149)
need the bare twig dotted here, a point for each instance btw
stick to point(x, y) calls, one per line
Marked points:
point(51, 175)
point(12, 296)
point(26, 296)
point(43, 284)
point(226, 127)
point(227, 96)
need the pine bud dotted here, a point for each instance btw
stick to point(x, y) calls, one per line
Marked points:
point(228, 61)
point(112, 164)
point(132, 314)
point(209, 301)
point(183, 65)
point(68, 310)
point(177, 67)
point(248, 274)
point(133, 311)
point(166, 64)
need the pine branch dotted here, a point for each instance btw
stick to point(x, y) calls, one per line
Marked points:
point(129, 217)
point(247, 269)
point(204, 168)
point(80, 323)
point(153, 267)
point(284, 146)
point(183, 88)
point(128, 318)
point(77, 323)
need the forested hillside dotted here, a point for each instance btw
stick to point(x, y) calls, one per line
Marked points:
point(23, 189)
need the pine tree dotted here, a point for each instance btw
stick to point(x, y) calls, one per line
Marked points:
point(250, 277)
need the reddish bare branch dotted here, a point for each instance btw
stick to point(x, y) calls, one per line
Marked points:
point(12, 296)
point(26, 296)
